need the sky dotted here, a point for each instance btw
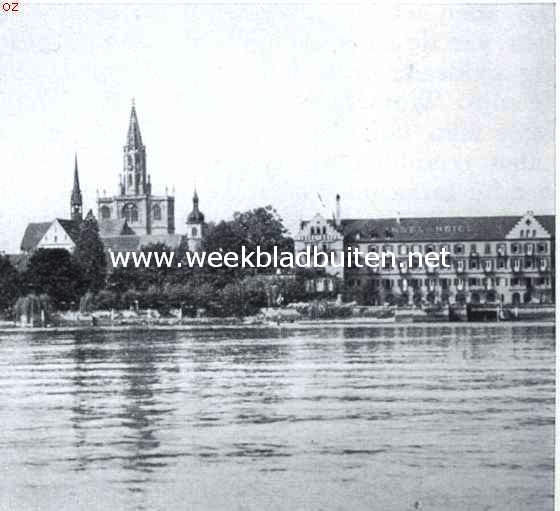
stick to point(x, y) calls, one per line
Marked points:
point(412, 110)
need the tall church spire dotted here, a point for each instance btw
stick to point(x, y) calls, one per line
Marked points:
point(76, 197)
point(134, 161)
point(134, 138)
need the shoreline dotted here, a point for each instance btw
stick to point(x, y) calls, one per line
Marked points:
point(304, 325)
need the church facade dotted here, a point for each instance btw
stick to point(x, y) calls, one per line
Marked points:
point(135, 216)
point(132, 218)
point(144, 212)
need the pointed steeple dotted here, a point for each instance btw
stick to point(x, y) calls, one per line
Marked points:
point(134, 138)
point(76, 197)
point(134, 164)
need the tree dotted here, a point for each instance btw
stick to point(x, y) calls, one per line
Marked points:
point(10, 283)
point(90, 255)
point(154, 275)
point(56, 273)
point(260, 227)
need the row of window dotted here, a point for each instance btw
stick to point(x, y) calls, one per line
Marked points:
point(447, 283)
point(318, 230)
point(461, 265)
point(460, 248)
point(527, 233)
point(130, 212)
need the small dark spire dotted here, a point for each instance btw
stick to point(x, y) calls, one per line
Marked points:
point(76, 192)
point(76, 197)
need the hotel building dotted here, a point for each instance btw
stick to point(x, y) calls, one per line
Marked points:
point(507, 259)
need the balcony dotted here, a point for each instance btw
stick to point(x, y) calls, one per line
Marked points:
point(403, 266)
point(488, 267)
point(516, 266)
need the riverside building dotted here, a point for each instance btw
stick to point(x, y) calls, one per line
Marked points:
point(507, 259)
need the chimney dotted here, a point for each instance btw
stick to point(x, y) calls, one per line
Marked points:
point(337, 213)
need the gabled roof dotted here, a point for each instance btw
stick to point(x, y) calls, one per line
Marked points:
point(33, 234)
point(35, 231)
point(436, 229)
point(71, 227)
point(548, 222)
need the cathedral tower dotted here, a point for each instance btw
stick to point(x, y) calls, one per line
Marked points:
point(145, 213)
point(134, 160)
point(76, 197)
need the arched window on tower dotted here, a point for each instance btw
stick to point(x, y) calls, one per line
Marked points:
point(156, 212)
point(105, 212)
point(129, 179)
point(194, 232)
point(130, 212)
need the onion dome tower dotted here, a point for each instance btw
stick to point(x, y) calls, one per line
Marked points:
point(195, 225)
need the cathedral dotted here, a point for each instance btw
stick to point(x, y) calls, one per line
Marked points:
point(132, 218)
point(144, 212)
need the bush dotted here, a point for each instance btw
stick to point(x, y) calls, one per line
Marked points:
point(106, 300)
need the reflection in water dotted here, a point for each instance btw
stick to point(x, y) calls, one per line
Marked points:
point(458, 417)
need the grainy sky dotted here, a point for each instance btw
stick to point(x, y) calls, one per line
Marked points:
point(425, 110)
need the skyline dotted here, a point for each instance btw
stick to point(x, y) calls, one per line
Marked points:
point(425, 111)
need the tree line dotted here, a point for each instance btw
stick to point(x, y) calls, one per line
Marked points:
point(66, 278)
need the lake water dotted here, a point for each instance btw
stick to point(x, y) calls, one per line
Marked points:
point(453, 417)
